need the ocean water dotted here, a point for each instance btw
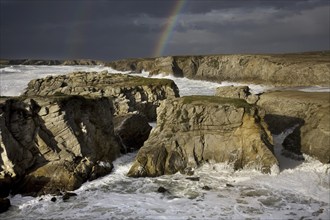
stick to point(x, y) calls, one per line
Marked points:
point(298, 190)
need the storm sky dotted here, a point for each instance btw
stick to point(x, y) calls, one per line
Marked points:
point(116, 29)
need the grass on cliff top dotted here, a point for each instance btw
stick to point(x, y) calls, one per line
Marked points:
point(240, 103)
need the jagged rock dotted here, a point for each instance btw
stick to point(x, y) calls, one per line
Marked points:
point(309, 112)
point(162, 189)
point(129, 93)
point(238, 92)
point(297, 69)
point(68, 195)
point(53, 144)
point(133, 130)
point(197, 129)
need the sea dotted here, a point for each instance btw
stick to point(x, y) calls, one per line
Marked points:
point(300, 189)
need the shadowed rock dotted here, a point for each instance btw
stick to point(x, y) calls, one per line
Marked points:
point(133, 130)
point(309, 111)
point(129, 93)
point(53, 144)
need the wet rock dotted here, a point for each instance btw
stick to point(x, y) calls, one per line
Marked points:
point(193, 178)
point(229, 185)
point(193, 130)
point(53, 199)
point(68, 195)
point(162, 190)
point(4, 204)
point(207, 188)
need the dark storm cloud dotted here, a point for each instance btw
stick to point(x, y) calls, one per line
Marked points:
point(115, 29)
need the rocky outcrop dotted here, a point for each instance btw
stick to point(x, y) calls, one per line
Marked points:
point(237, 92)
point(132, 130)
point(129, 93)
point(309, 112)
point(197, 129)
point(300, 69)
point(53, 144)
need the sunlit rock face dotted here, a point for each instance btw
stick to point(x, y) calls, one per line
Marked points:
point(308, 112)
point(53, 144)
point(296, 69)
point(129, 93)
point(197, 129)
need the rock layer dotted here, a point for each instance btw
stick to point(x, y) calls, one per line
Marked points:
point(130, 93)
point(197, 129)
point(309, 112)
point(54, 144)
point(300, 69)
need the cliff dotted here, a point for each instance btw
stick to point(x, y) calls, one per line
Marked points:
point(306, 112)
point(129, 93)
point(54, 144)
point(309, 112)
point(197, 129)
point(68, 129)
point(300, 69)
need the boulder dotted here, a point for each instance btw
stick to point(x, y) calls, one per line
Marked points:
point(197, 129)
point(308, 112)
point(129, 93)
point(53, 144)
point(133, 130)
point(237, 92)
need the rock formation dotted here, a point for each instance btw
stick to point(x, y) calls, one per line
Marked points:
point(237, 92)
point(309, 111)
point(130, 93)
point(300, 69)
point(54, 144)
point(132, 130)
point(197, 129)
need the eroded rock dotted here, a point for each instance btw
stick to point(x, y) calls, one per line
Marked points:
point(133, 130)
point(308, 112)
point(295, 69)
point(197, 129)
point(129, 93)
point(53, 144)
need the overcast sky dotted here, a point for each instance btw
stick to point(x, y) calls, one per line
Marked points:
point(117, 29)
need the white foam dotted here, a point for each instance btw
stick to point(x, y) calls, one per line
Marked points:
point(14, 79)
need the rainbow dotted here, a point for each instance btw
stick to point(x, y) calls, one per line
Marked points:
point(168, 29)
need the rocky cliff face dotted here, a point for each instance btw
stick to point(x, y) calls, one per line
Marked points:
point(54, 144)
point(197, 129)
point(309, 111)
point(302, 69)
point(130, 93)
